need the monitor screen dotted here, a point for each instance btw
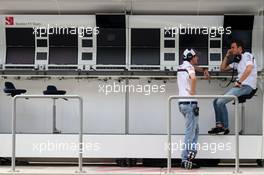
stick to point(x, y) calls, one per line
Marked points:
point(215, 44)
point(193, 39)
point(63, 47)
point(20, 55)
point(169, 43)
point(202, 54)
point(87, 43)
point(63, 37)
point(145, 38)
point(111, 46)
point(145, 46)
point(20, 43)
point(63, 55)
point(169, 56)
point(42, 43)
point(111, 55)
point(41, 56)
point(215, 57)
point(239, 22)
point(197, 41)
point(111, 38)
point(111, 21)
point(20, 37)
point(243, 35)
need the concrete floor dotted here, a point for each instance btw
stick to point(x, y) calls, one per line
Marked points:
point(114, 170)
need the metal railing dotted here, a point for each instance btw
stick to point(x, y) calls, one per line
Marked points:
point(80, 158)
point(203, 97)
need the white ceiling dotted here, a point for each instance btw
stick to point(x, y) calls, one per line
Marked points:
point(134, 6)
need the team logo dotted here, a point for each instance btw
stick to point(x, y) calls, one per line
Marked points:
point(9, 20)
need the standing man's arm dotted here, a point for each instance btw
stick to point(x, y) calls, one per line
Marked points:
point(193, 84)
point(204, 70)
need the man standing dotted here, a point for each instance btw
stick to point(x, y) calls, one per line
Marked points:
point(188, 107)
point(246, 66)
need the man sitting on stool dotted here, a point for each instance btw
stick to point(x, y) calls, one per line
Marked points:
point(246, 66)
point(188, 107)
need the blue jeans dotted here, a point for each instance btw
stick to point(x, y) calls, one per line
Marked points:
point(221, 114)
point(191, 129)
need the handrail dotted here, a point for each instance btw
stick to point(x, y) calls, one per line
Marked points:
point(80, 158)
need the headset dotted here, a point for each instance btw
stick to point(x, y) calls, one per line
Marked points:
point(189, 55)
point(235, 59)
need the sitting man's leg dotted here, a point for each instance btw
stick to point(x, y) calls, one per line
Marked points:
point(221, 114)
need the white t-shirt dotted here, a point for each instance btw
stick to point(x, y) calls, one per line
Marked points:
point(183, 79)
point(247, 59)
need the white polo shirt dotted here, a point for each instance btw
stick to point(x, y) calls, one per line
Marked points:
point(247, 59)
point(183, 79)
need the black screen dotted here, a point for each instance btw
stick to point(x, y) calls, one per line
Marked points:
point(42, 43)
point(87, 56)
point(63, 55)
point(169, 56)
point(87, 43)
point(111, 55)
point(63, 47)
point(20, 46)
point(20, 37)
point(111, 21)
point(239, 22)
point(145, 46)
point(42, 33)
point(169, 43)
point(111, 40)
point(64, 37)
point(196, 41)
point(145, 38)
point(20, 55)
point(169, 33)
point(215, 57)
point(243, 35)
point(202, 54)
point(215, 44)
point(41, 56)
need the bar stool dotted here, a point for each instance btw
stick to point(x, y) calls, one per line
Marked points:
point(52, 90)
point(242, 99)
point(10, 90)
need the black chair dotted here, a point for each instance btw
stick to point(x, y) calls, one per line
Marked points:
point(242, 99)
point(52, 90)
point(11, 90)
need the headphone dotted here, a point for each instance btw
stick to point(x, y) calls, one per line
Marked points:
point(235, 59)
point(189, 55)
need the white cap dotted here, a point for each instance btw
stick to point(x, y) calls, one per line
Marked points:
point(188, 51)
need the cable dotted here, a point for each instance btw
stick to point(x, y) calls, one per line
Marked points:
point(232, 77)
